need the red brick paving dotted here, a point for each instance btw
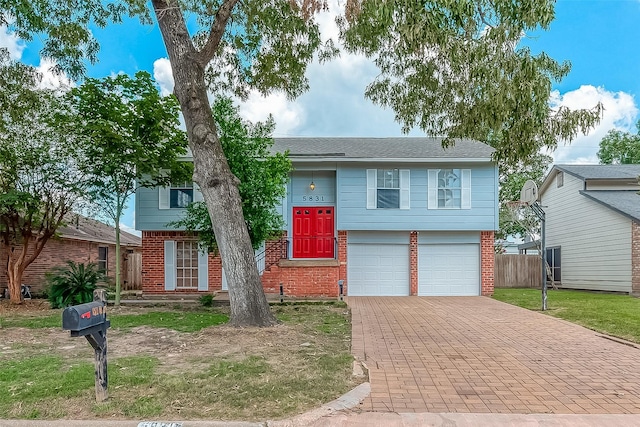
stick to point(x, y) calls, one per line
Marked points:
point(475, 354)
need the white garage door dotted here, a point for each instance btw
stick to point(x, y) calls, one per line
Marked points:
point(449, 270)
point(377, 269)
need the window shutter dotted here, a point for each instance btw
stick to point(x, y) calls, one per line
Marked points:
point(203, 271)
point(405, 185)
point(466, 189)
point(432, 189)
point(197, 194)
point(169, 265)
point(163, 197)
point(372, 185)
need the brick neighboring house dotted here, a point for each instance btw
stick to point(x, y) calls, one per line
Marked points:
point(382, 216)
point(593, 226)
point(82, 240)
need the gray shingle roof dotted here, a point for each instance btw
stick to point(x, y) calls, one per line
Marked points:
point(381, 148)
point(82, 228)
point(626, 202)
point(602, 171)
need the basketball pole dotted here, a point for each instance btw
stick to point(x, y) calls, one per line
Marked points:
point(537, 209)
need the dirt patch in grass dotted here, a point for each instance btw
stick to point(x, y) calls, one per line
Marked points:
point(218, 372)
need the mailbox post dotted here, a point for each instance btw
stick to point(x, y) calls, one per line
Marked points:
point(90, 321)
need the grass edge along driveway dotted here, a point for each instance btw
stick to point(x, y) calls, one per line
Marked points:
point(617, 315)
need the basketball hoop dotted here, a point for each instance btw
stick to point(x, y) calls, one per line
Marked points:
point(529, 193)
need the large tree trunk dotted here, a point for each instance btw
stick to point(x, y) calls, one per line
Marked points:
point(19, 260)
point(249, 306)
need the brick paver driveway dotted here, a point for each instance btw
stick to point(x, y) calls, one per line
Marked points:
point(475, 354)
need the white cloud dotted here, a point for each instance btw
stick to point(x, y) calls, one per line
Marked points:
point(52, 79)
point(11, 42)
point(335, 104)
point(163, 75)
point(620, 112)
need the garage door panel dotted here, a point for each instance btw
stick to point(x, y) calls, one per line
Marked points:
point(449, 269)
point(377, 269)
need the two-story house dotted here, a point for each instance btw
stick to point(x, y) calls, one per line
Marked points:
point(382, 216)
point(593, 226)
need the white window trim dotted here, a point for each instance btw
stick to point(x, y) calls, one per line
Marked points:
point(432, 190)
point(164, 196)
point(170, 268)
point(405, 189)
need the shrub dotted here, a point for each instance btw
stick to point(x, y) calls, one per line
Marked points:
point(73, 284)
point(206, 300)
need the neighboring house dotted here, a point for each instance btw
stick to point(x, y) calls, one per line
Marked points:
point(81, 240)
point(382, 216)
point(593, 226)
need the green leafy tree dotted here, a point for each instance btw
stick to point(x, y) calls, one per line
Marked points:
point(263, 176)
point(453, 68)
point(131, 136)
point(40, 177)
point(519, 222)
point(620, 148)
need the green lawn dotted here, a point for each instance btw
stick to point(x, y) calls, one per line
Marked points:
point(193, 373)
point(612, 314)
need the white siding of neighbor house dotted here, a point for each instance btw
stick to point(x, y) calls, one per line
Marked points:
point(609, 185)
point(595, 241)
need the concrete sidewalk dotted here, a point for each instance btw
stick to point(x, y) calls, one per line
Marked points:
point(373, 419)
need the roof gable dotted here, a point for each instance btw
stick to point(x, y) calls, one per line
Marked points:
point(594, 172)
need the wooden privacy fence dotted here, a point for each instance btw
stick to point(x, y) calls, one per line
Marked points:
point(132, 272)
point(517, 271)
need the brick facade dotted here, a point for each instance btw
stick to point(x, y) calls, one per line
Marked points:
point(413, 263)
point(635, 258)
point(153, 263)
point(299, 278)
point(487, 260)
point(57, 252)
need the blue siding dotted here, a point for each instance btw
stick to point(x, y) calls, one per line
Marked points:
point(148, 216)
point(352, 213)
point(346, 190)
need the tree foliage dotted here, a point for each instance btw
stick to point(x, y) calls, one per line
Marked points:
point(456, 68)
point(519, 222)
point(620, 148)
point(263, 176)
point(131, 139)
point(40, 175)
point(451, 67)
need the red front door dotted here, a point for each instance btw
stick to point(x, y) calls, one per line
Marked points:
point(313, 232)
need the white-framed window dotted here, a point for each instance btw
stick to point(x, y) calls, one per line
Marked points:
point(180, 194)
point(449, 188)
point(559, 179)
point(186, 264)
point(388, 188)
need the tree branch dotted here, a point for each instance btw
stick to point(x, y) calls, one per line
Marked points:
point(217, 31)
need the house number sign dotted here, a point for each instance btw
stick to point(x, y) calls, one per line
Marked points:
point(313, 198)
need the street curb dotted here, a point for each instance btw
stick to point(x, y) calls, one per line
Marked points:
point(346, 401)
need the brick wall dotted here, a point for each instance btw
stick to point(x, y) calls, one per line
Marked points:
point(635, 258)
point(153, 263)
point(413, 263)
point(57, 252)
point(487, 259)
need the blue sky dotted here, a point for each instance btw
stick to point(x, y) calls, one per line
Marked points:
point(599, 37)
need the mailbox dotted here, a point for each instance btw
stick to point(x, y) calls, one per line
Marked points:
point(84, 317)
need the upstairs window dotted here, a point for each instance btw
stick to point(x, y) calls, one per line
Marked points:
point(559, 179)
point(181, 195)
point(449, 189)
point(388, 188)
point(178, 195)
